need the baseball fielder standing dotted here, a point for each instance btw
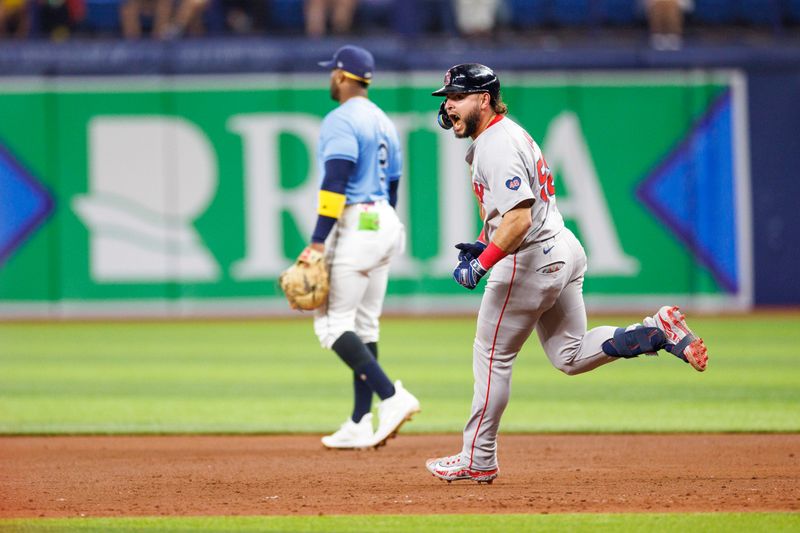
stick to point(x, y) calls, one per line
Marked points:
point(537, 272)
point(359, 232)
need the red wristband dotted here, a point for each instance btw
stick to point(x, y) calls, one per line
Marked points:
point(491, 255)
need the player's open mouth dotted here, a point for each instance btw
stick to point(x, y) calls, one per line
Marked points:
point(454, 119)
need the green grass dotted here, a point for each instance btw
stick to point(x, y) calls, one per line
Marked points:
point(663, 523)
point(271, 376)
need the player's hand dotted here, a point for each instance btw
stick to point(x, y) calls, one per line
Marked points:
point(469, 273)
point(309, 253)
point(470, 250)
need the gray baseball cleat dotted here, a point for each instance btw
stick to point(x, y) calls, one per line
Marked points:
point(455, 467)
point(681, 341)
point(393, 412)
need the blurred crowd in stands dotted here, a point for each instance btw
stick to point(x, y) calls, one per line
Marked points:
point(174, 19)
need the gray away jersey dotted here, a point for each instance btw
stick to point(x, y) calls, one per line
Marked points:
point(507, 168)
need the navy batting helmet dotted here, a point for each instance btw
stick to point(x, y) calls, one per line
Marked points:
point(469, 78)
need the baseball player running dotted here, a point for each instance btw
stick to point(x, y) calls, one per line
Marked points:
point(537, 274)
point(359, 232)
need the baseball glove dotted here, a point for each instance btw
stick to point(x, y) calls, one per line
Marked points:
point(305, 283)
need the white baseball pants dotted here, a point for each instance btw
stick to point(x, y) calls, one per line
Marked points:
point(359, 261)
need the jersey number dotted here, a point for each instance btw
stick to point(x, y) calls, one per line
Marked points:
point(546, 187)
point(383, 155)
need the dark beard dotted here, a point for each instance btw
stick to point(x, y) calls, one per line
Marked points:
point(470, 125)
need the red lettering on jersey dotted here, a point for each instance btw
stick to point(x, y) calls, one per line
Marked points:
point(528, 138)
point(546, 187)
point(478, 188)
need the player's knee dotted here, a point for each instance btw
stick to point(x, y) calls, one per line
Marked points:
point(368, 336)
point(568, 369)
point(368, 332)
point(352, 350)
point(564, 358)
point(329, 329)
point(328, 338)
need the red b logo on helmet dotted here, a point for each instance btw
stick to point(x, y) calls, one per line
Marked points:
point(447, 78)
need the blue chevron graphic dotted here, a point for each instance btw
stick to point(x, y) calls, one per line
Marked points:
point(692, 192)
point(24, 204)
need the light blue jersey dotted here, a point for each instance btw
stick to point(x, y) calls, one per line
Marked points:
point(359, 131)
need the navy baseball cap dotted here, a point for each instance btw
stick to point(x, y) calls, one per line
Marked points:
point(354, 60)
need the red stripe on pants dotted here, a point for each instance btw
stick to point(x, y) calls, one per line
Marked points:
point(491, 360)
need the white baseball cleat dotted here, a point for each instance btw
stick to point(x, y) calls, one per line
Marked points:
point(393, 412)
point(352, 435)
point(455, 467)
point(681, 341)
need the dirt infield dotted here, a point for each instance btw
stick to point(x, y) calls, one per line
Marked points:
point(280, 475)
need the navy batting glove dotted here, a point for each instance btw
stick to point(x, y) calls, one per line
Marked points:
point(469, 273)
point(470, 250)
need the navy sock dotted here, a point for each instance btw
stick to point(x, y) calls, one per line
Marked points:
point(639, 340)
point(376, 379)
point(362, 393)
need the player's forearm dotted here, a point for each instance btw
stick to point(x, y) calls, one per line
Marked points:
point(513, 228)
point(509, 235)
point(332, 197)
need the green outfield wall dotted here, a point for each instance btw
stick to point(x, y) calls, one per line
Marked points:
point(189, 195)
